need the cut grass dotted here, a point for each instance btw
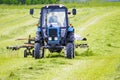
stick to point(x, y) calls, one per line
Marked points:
point(107, 37)
point(100, 62)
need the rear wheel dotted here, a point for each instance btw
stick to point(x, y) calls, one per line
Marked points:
point(70, 50)
point(25, 53)
point(37, 51)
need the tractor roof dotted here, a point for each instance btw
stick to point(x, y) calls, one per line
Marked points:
point(54, 5)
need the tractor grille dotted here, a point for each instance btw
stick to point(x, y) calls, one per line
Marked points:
point(52, 32)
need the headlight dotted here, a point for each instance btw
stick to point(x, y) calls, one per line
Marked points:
point(50, 38)
point(55, 38)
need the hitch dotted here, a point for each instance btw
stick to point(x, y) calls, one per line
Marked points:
point(81, 45)
point(13, 47)
point(29, 45)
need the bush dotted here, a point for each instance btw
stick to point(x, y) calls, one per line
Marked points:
point(1, 1)
point(28, 1)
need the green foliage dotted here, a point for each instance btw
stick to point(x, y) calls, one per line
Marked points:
point(1, 1)
point(9, 2)
point(69, 3)
point(28, 1)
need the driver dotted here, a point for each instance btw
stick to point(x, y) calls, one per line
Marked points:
point(53, 20)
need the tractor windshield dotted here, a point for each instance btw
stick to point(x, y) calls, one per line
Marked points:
point(53, 17)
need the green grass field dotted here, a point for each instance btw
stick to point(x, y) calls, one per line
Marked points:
point(100, 62)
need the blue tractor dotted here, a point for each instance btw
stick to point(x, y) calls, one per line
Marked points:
point(54, 32)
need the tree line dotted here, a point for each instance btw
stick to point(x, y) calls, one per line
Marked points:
point(22, 2)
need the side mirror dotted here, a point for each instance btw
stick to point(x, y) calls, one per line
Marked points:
point(74, 11)
point(31, 11)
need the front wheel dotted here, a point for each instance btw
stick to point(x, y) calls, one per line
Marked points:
point(70, 50)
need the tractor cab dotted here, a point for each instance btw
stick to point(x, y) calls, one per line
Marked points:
point(54, 23)
point(55, 15)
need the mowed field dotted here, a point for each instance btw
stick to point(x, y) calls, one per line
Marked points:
point(101, 26)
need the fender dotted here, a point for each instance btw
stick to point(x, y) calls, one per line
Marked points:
point(38, 35)
point(38, 29)
point(70, 29)
point(70, 34)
